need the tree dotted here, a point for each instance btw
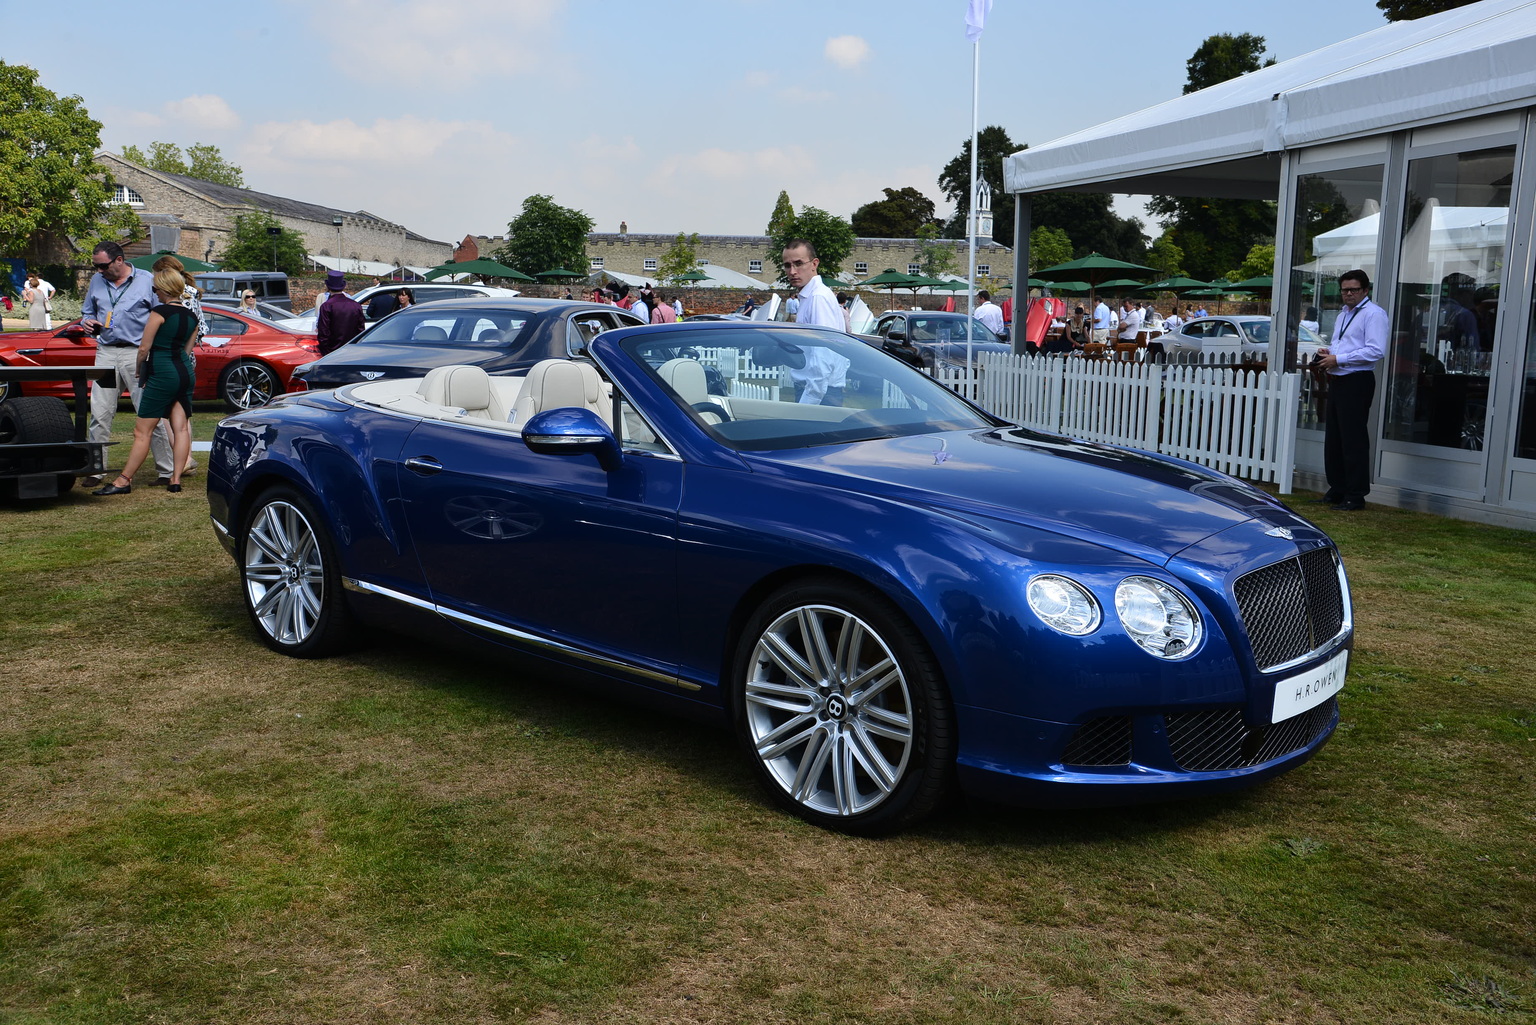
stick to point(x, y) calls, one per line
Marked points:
point(1224, 56)
point(899, 215)
point(1407, 10)
point(831, 235)
point(783, 213)
point(205, 162)
point(1166, 257)
point(1216, 234)
point(49, 178)
point(680, 258)
point(545, 236)
point(1048, 247)
point(252, 246)
point(1260, 262)
point(934, 256)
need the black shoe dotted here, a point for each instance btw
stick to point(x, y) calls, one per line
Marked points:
point(93, 481)
point(1329, 498)
point(174, 489)
point(113, 489)
point(160, 482)
point(1349, 505)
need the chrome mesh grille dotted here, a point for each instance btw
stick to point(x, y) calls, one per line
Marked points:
point(1218, 739)
point(1102, 741)
point(1291, 608)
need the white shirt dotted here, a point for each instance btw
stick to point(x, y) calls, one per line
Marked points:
point(990, 314)
point(1172, 323)
point(823, 368)
point(1359, 337)
point(1130, 323)
point(1101, 317)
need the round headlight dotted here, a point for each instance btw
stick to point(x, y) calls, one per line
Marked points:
point(1063, 604)
point(1157, 617)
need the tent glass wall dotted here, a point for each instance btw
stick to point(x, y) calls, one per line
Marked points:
point(1525, 428)
point(1454, 241)
point(1337, 224)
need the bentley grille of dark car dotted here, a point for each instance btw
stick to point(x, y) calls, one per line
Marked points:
point(1291, 608)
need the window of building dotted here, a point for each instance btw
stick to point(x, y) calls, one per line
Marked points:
point(984, 269)
point(704, 263)
point(123, 194)
point(861, 267)
point(650, 264)
point(913, 268)
point(597, 263)
point(754, 266)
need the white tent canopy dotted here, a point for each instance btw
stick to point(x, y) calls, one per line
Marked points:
point(1225, 140)
point(719, 277)
point(369, 267)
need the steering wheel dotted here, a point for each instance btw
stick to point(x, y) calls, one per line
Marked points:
point(715, 408)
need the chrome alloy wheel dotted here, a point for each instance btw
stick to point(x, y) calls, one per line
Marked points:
point(829, 711)
point(248, 385)
point(284, 573)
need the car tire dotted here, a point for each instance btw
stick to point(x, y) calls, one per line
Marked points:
point(246, 384)
point(290, 577)
point(42, 420)
point(842, 709)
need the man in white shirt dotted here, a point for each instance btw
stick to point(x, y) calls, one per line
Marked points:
point(989, 313)
point(46, 291)
point(825, 373)
point(1130, 321)
point(1172, 323)
point(1358, 344)
point(1101, 319)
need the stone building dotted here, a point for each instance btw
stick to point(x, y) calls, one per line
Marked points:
point(194, 218)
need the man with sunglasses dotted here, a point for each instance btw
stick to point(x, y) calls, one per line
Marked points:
point(1359, 341)
point(825, 374)
point(115, 310)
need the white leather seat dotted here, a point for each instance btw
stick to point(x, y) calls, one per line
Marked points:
point(686, 377)
point(559, 383)
point(428, 333)
point(464, 387)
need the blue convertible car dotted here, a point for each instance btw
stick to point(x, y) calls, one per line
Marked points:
point(886, 592)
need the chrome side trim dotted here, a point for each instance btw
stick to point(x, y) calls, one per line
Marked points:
point(568, 651)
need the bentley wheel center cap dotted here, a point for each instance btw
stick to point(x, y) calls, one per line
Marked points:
point(836, 707)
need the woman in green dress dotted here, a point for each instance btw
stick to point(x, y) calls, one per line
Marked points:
point(165, 366)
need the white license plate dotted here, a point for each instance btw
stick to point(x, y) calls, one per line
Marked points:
point(1309, 689)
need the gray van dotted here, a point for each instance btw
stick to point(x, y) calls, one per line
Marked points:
point(269, 286)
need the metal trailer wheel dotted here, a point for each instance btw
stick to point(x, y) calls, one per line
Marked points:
point(842, 709)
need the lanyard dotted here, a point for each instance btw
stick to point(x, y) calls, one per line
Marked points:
point(1352, 315)
point(124, 288)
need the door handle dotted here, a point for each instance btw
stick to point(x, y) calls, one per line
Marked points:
point(426, 466)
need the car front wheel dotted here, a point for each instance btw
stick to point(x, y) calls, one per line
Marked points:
point(842, 709)
point(248, 384)
point(290, 578)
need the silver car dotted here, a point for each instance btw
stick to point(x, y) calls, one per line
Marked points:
point(1243, 336)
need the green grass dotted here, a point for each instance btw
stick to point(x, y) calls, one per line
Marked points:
point(194, 829)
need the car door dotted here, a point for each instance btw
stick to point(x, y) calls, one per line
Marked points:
point(216, 350)
point(582, 327)
point(548, 552)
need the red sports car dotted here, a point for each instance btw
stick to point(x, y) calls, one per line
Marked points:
point(242, 360)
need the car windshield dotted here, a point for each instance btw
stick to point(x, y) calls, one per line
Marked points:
point(947, 329)
point(764, 388)
point(1256, 330)
point(434, 325)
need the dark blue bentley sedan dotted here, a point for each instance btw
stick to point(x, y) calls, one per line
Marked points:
point(886, 592)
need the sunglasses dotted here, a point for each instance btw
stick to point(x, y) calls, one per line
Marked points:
point(102, 266)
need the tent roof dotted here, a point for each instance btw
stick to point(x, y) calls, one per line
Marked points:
point(1226, 140)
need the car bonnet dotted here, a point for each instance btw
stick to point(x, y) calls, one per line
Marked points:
point(1136, 502)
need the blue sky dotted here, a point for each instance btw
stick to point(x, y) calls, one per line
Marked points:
point(672, 115)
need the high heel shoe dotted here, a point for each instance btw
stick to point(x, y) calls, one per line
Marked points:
point(174, 489)
point(114, 488)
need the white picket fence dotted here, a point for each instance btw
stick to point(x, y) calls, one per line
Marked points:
point(1239, 422)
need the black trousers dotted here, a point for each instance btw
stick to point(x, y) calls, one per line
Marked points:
point(1347, 441)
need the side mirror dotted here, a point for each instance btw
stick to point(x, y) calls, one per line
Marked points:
point(896, 334)
point(572, 431)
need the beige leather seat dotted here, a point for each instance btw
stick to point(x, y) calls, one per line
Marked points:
point(558, 383)
point(464, 387)
point(686, 377)
point(428, 333)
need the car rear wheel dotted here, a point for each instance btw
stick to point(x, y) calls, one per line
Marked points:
point(248, 384)
point(290, 577)
point(842, 709)
point(42, 420)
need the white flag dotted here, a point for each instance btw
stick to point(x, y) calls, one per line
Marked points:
point(976, 18)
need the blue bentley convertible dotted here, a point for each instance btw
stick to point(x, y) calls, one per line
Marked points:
point(884, 591)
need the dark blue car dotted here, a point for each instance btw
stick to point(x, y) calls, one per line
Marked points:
point(884, 591)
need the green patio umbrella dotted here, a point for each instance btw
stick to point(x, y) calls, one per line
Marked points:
point(1072, 287)
point(1263, 282)
point(889, 280)
point(1095, 268)
point(954, 286)
point(693, 275)
point(192, 264)
point(1118, 284)
point(1177, 283)
point(559, 274)
point(484, 268)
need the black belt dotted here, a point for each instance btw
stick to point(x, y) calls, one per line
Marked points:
point(122, 345)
